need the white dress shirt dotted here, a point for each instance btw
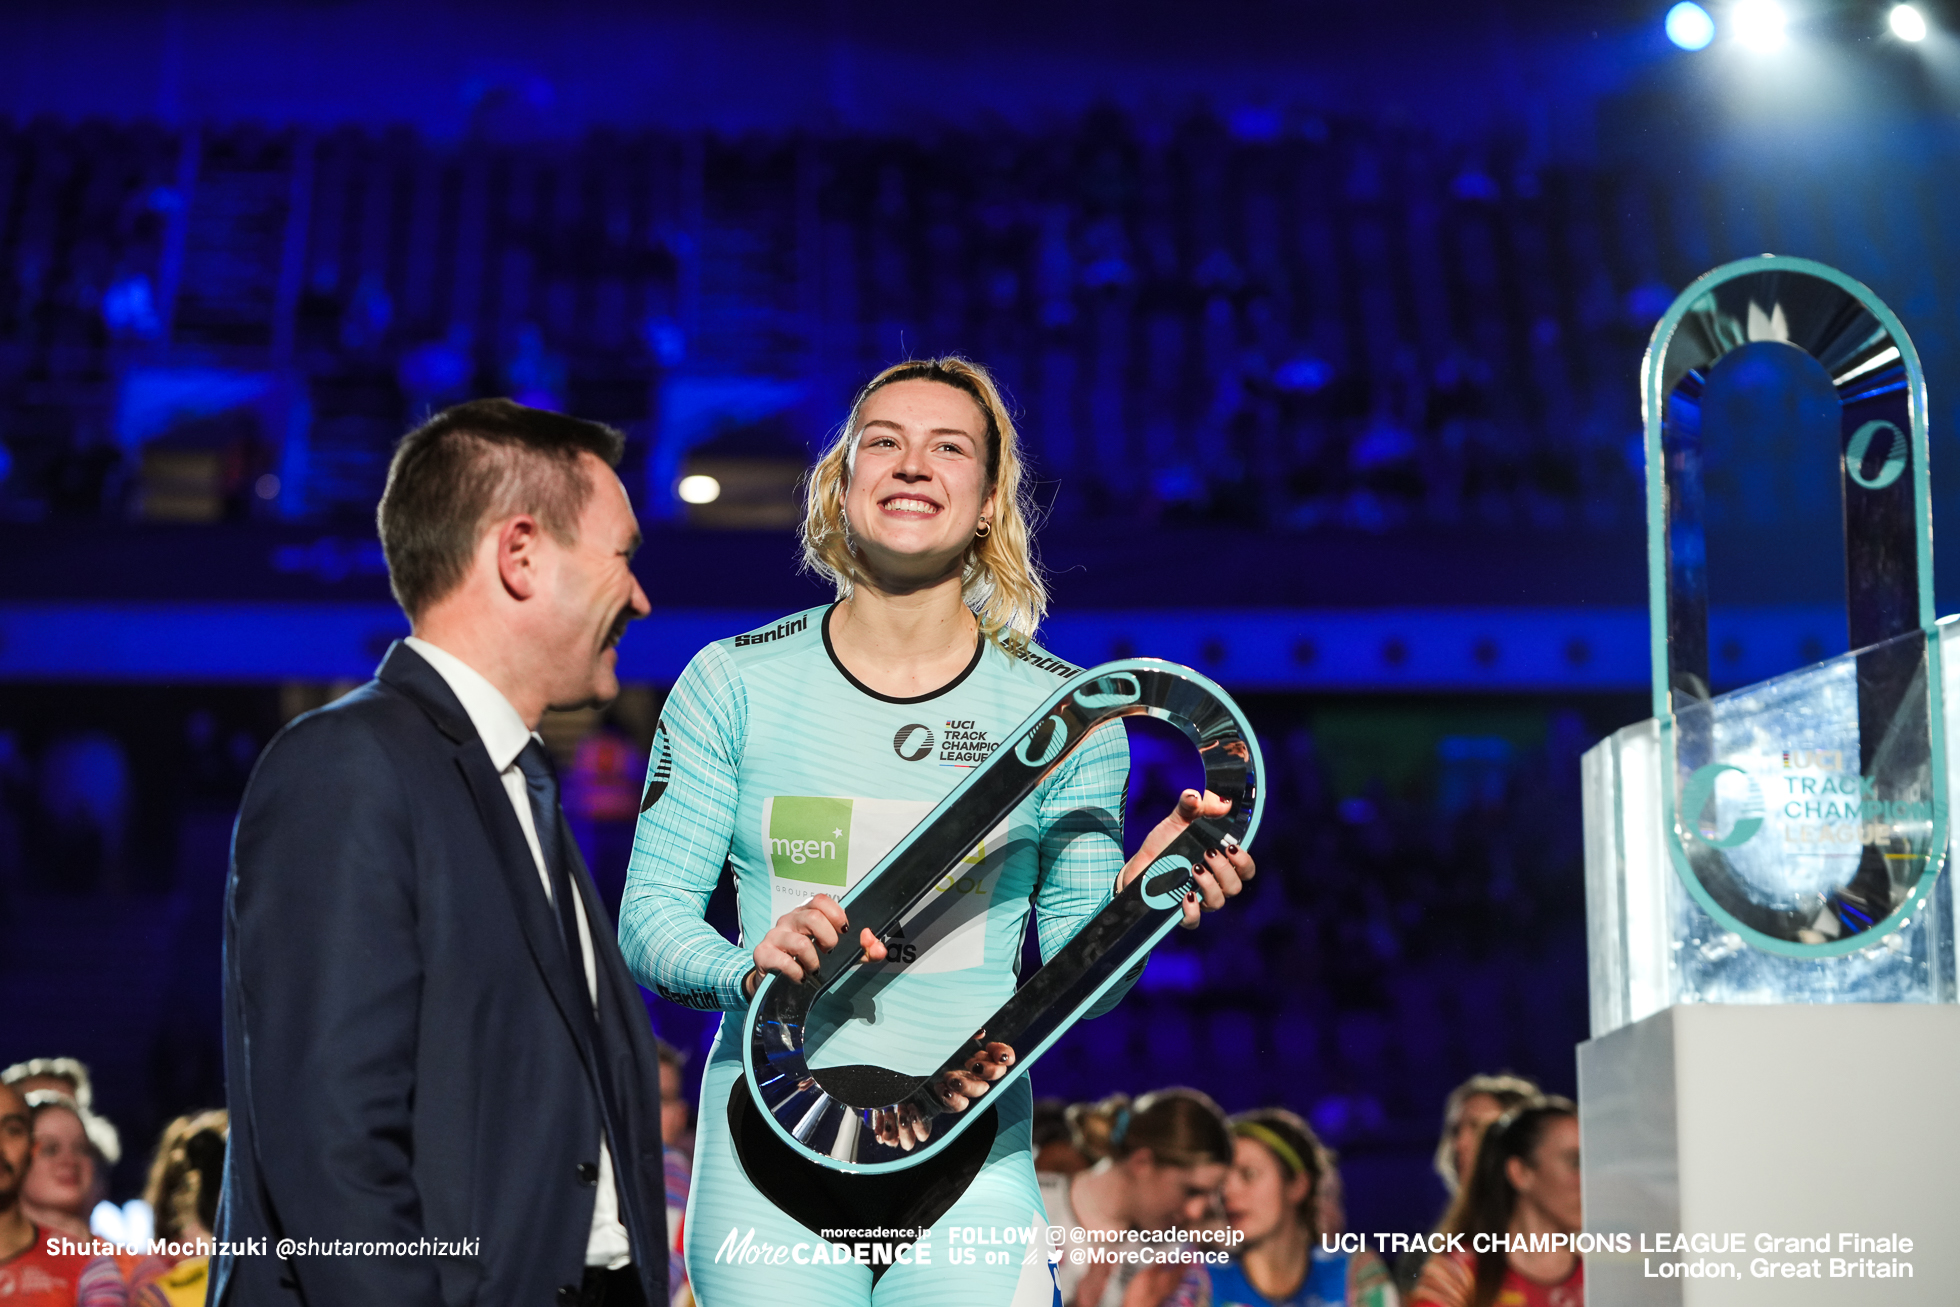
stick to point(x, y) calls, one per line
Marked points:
point(504, 736)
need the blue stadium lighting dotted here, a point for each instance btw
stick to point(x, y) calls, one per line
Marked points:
point(1907, 23)
point(1689, 26)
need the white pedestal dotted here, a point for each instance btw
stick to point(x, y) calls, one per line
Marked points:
point(1786, 1121)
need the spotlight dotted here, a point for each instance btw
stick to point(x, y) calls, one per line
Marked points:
point(1689, 26)
point(1908, 24)
point(1758, 24)
point(699, 490)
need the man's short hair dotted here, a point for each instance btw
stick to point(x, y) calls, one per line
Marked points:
point(474, 464)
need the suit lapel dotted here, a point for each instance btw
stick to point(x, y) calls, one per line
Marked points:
point(408, 672)
point(519, 873)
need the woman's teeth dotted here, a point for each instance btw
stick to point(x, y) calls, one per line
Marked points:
point(911, 506)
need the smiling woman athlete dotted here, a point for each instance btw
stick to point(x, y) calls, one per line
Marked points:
point(801, 753)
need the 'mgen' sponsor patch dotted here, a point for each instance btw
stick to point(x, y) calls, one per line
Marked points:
point(810, 839)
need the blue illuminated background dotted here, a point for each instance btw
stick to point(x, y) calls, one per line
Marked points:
point(1323, 322)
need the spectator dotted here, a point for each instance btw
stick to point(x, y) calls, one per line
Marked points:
point(1525, 1182)
point(68, 1177)
point(1277, 1197)
point(1054, 1144)
point(676, 1117)
point(677, 1137)
point(1330, 1196)
point(1158, 1165)
point(183, 1192)
point(1467, 1113)
point(33, 1274)
point(68, 1076)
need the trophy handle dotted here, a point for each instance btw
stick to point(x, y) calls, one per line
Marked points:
point(1794, 876)
point(829, 1115)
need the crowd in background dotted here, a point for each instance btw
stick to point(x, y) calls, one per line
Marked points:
point(1269, 319)
point(55, 1155)
point(1272, 318)
point(1168, 1168)
point(1417, 915)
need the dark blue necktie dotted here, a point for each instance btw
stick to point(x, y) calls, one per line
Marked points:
point(541, 779)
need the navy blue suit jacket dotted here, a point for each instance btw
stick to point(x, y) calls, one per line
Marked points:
point(407, 1054)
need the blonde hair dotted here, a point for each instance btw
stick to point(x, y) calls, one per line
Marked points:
point(186, 1173)
point(1509, 1090)
point(1001, 582)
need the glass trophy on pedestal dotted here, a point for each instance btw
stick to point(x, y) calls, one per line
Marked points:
point(1781, 842)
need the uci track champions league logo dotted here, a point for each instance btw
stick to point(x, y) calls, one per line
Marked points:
point(962, 743)
point(1748, 804)
point(913, 742)
point(1813, 799)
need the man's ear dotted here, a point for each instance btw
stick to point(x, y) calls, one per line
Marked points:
point(517, 555)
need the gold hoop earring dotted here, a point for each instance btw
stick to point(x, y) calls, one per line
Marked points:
point(982, 531)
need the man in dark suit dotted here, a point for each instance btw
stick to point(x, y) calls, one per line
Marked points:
point(432, 1045)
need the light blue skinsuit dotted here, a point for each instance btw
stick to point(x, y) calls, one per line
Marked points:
point(771, 757)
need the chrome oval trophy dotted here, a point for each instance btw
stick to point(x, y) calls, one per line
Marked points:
point(1806, 815)
point(833, 1114)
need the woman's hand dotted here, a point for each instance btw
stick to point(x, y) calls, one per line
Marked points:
point(959, 1087)
point(1223, 872)
point(793, 945)
point(900, 1127)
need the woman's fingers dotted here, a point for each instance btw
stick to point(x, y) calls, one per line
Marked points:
point(957, 1089)
point(1225, 873)
point(789, 955)
point(874, 948)
point(1206, 805)
point(991, 1062)
point(817, 925)
point(900, 1127)
point(1221, 875)
point(793, 947)
point(827, 908)
point(773, 962)
point(1191, 805)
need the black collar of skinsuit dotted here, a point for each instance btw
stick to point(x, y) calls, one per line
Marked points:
point(409, 672)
